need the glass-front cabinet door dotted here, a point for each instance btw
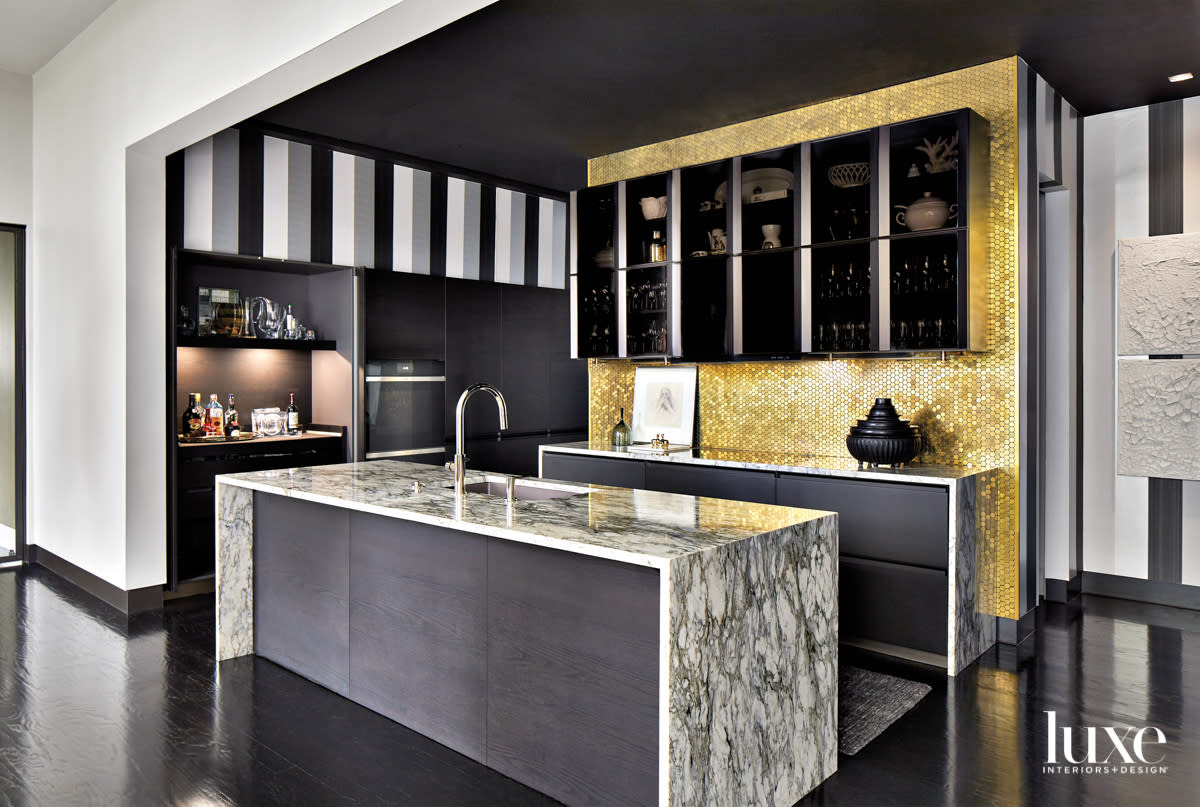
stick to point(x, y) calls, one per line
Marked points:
point(868, 242)
point(843, 188)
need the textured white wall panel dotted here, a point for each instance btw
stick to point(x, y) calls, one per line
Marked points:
point(1158, 418)
point(1158, 295)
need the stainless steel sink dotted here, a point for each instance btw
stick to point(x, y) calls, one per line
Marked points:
point(522, 489)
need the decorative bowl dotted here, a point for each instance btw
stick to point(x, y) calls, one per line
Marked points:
point(653, 207)
point(883, 438)
point(849, 175)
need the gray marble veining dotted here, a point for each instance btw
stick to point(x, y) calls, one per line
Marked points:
point(235, 571)
point(632, 526)
point(969, 632)
point(753, 669)
point(781, 461)
point(749, 607)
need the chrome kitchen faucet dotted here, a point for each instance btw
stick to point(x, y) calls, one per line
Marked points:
point(460, 458)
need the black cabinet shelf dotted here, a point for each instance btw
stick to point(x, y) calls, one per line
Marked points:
point(267, 344)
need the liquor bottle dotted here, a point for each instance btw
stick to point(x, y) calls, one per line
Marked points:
point(621, 435)
point(293, 415)
point(233, 428)
point(214, 417)
point(193, 416)
point(658, 247)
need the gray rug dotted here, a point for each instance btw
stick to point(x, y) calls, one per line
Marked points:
point(869, 702)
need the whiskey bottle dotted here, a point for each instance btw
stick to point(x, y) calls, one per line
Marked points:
point(658, 247)
point(193, 416)
point(232, 427)
point(293, 415)
point(214, 417)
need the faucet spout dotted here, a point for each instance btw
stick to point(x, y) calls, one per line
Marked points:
point(460, 458)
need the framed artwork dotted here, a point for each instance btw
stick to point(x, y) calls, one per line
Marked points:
point(664, 402)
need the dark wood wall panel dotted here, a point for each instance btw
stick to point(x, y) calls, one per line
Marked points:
point(418, 628)
point(302, 588)
point(573, 675)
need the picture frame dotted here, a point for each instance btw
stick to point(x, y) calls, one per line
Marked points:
point(664, 402)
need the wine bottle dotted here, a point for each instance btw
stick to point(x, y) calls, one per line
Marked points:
point(621, 434)
point(214, 417)
point(193, 416)
point(293, 415)
point(232, 427)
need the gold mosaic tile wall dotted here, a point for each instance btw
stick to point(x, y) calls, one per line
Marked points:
point(967, 406)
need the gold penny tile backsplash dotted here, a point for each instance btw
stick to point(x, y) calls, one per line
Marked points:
point(965, 405)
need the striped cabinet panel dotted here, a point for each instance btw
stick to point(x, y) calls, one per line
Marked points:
point(333, 206)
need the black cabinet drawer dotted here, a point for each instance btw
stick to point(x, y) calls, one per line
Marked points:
point(887, 602)
point(878, 520)
point(602, 471)
point(719, 483)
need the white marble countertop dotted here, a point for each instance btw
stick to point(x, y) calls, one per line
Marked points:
point(633, 526)
point(785, 462)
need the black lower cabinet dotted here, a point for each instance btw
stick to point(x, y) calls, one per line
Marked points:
point(542, 664)
point(892, 603)
point(718, 483)
point(629, 473)
point(302, 588)
point(192, 551)
point(893, 537)
point(573, 675)
point(418, 628)
point(511, 454)
point(900, 523)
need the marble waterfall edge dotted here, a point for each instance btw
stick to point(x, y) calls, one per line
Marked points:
point(753, 668)
point(235, 571)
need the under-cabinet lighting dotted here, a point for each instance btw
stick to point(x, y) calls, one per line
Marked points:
point(1179, 77)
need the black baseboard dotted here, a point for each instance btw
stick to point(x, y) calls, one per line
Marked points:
point(1063, 590)
point(1015, 631)
point(1156, 592)
point(128, 602)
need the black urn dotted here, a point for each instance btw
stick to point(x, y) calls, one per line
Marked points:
point(883, 438)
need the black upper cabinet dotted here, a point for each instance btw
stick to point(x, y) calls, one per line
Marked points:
point(844, 187)
point(868, 242)
point(771, 296)
point(596, 222)
point(595, 292)
point(770, 215)
point(404, 315)
point(704, 212)
point(704, 314)
point(647, 220)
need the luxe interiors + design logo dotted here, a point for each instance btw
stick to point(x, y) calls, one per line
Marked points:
point(1103, 749)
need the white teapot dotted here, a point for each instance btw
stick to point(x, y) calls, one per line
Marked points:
point(927, 213)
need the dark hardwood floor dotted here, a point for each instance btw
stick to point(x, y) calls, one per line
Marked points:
point(96, 709)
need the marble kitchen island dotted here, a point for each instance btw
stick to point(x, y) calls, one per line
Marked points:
point(606, 646)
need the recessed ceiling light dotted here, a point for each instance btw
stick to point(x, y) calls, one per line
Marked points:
point(1179, 77)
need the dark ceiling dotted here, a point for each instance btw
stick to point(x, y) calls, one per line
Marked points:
point(530, 89)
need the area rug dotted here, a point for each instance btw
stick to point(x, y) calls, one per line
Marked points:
point(869, 702)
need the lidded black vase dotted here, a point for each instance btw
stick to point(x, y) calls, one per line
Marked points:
point(883, 438)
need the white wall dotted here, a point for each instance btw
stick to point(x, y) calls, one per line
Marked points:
point(1116, 189)
point(146, 79)
point(16, 148)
